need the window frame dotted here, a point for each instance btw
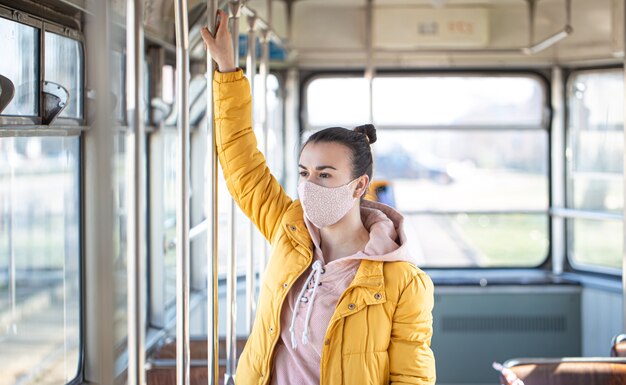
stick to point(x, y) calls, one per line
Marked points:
point(570, 214)
point(543, 79)
point(16, 125)
point(31, 126)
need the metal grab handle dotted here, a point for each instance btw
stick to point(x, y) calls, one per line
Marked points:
point(182, 195)
point(234, 8)
point(263, 74)
point(211, 214)
point(135, 245)
point(250, 273)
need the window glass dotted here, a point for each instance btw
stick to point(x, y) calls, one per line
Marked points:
point(427, 101)
point(478, 240)
point(595, 242)
point(595, 166)
point(457, 170)
point(337, 101)
point(64, 66)
point(170, 151)
point(39, 259)
point(595, 141)
point(20, 43)
point(454, 101)
point(117, 84)
point(470, 181)
point(120, 168)
point(275, 121)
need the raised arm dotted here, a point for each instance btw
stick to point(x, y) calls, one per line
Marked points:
point(249, 181)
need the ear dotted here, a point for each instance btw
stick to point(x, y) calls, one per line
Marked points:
point(362, 184)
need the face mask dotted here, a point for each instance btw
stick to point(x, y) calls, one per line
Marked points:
point(325, 206)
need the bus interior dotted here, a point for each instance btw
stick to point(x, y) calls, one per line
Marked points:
point(500, 139)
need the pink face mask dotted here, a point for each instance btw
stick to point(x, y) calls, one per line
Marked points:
point(325, 206)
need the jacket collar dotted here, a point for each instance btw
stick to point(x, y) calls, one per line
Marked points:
point(293, 222)
point(370, 273)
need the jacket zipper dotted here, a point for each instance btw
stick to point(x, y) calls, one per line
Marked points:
point(282, 303)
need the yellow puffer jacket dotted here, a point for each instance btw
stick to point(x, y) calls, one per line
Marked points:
point(381, 329)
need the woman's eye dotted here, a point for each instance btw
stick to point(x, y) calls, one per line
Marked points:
point(324, 175)
point(303, 173)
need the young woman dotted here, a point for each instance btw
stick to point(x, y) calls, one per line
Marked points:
point(341, 302)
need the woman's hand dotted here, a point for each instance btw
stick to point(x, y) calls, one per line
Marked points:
point(221, 46)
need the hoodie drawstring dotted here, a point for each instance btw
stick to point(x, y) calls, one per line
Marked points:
point(316, 272)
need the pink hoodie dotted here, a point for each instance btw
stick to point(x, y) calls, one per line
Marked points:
point(301, 365)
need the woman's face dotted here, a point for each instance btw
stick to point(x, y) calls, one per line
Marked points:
point(326, 164)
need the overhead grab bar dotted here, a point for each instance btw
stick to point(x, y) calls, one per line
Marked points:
point(7, 92)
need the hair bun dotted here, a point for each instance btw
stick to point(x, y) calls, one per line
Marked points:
point(369, 131)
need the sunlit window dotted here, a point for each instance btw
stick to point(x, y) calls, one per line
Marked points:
point(64, 67)
point(39, 259)
point(20, 64)
point(466, 156)
point(120, 166)
point(595, 166)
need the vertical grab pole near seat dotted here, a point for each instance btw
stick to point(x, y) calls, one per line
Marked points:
point(211, 214)
point(263, 73)
point(370, 69)
point(250, 273)
point(182, 195)
point(623, 225)
point(136, 266)
point(234, 8)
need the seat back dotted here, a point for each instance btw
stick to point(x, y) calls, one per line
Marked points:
point(570, 371)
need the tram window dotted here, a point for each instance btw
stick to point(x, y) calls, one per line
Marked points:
point(20, 47)
point(484, 101)
point(169, 84)
point(39, 259)
point(170, 151)
point(468, 163)
point(274, 121)
point(117, 84)
point(595, 166)
point(120, 167)
point(337, 101)
point(64, 66)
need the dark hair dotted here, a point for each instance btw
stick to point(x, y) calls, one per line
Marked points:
point(357, 140)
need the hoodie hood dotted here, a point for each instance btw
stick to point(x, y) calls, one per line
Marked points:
point(388, 241)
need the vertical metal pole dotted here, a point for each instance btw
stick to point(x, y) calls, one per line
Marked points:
point(99, 204)
point(263, 74)
point(182, 195)
point(234, 8)
point(135, 229)
point(624, 177)
point(211, 214)
point(369, 70)
point(557, 152)
point(12, 328)
point(250, 271)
